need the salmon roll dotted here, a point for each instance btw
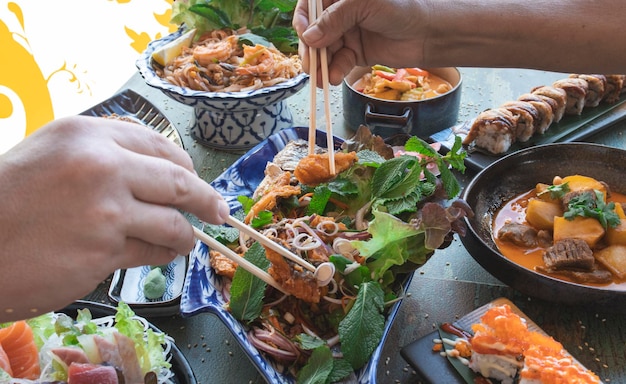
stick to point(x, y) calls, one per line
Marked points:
point(576, 90)
point(544, 110)
point(526, 116)
point(597, 88)
point(555, 96)
point(493, 130)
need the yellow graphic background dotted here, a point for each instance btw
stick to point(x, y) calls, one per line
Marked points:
point(61, 57)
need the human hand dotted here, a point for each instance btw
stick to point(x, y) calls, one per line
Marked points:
point(364, 33)
point(84, 196)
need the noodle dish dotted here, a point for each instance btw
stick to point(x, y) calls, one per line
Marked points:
point(380, 217)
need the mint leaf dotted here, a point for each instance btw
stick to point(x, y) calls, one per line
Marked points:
point(262, 219)
point(309, 342)
point(370, 158)
point(318, 368)
point(319, 200)
point(247, 291)
point(415, 144)
point(362, 328)
point(391, 173)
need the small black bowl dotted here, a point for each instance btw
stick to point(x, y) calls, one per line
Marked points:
point(518, 173)
point(386, 118)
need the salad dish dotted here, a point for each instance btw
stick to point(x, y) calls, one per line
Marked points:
point(129, 285)
point(87, 343)
point(434, 356)
point(332, 330)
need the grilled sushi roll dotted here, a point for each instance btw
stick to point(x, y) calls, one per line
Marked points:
point(597, 88)
point(544, 110)
point(614, 88)
point(493, 130)
point(557, 98)
point(527, 116)
point(576, 90)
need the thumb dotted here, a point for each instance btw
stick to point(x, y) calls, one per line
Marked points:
point(332, 24)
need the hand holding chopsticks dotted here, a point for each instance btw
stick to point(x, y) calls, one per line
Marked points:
point(315, 9)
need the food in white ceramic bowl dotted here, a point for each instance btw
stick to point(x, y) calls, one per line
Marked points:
point(235, 63)
point(228, 120)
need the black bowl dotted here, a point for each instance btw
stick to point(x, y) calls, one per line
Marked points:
point(387, 118)
point(518, 173)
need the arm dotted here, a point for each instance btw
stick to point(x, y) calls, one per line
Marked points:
point(563, 36)
point(82, 197)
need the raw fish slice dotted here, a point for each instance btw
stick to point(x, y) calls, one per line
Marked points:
point(79, 373)
point(5, 364)
point(19, 345)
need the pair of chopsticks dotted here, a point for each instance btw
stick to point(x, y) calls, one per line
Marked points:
point(258, 272)
point(315, 10)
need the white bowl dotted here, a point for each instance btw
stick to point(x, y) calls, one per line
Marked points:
point(227, 120)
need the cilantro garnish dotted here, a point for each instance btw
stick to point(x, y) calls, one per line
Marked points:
point(556, 191)
point(585, 205)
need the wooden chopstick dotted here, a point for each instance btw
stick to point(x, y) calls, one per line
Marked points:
point(269, 243)
point(245, 264)
point(312, 84)
point(315, 9)
point(330, 143)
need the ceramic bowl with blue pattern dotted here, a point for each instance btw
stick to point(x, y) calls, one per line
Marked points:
point(206, 291)
point(227, 120)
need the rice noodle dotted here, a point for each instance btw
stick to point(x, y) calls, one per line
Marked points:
point(216, 62)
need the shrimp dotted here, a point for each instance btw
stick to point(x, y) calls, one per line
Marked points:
point(214, 51)
point(257, 61)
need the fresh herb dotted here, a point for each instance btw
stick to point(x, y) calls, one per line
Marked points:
point(556, 191)
point(268, 19)
point(360, 331)
point(593, 206)
point(247, 291)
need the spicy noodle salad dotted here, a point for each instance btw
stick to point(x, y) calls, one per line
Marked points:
point(85, 349)
point(378, 219)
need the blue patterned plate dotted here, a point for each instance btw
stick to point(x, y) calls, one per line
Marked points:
point(203, 287)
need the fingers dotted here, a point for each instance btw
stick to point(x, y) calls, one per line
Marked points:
point(165, 183)
point(138, 252)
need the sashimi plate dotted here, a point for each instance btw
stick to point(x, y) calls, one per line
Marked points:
point(203, 288)
point(180, 366)
point(434, 368)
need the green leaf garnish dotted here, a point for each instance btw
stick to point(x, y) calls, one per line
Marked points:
point(247, 291)
point(556, 191)
point(362, 328)
point(585, 205)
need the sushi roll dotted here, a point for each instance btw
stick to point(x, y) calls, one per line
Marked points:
point(544, 110)
point(614, 88)
point(493, 130)
point(498, 345)
point(557, 98)
point(505, 349)
point(576, 90)
point(597, 88)
point(527, 115)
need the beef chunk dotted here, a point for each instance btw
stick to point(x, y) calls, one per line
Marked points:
point(518, 234)
point(570, 195)
point(596, 276)
point(572, 254)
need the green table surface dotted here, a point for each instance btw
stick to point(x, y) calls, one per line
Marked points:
point(447, 287)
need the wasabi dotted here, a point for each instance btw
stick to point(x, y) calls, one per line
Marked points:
point(154, 284)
